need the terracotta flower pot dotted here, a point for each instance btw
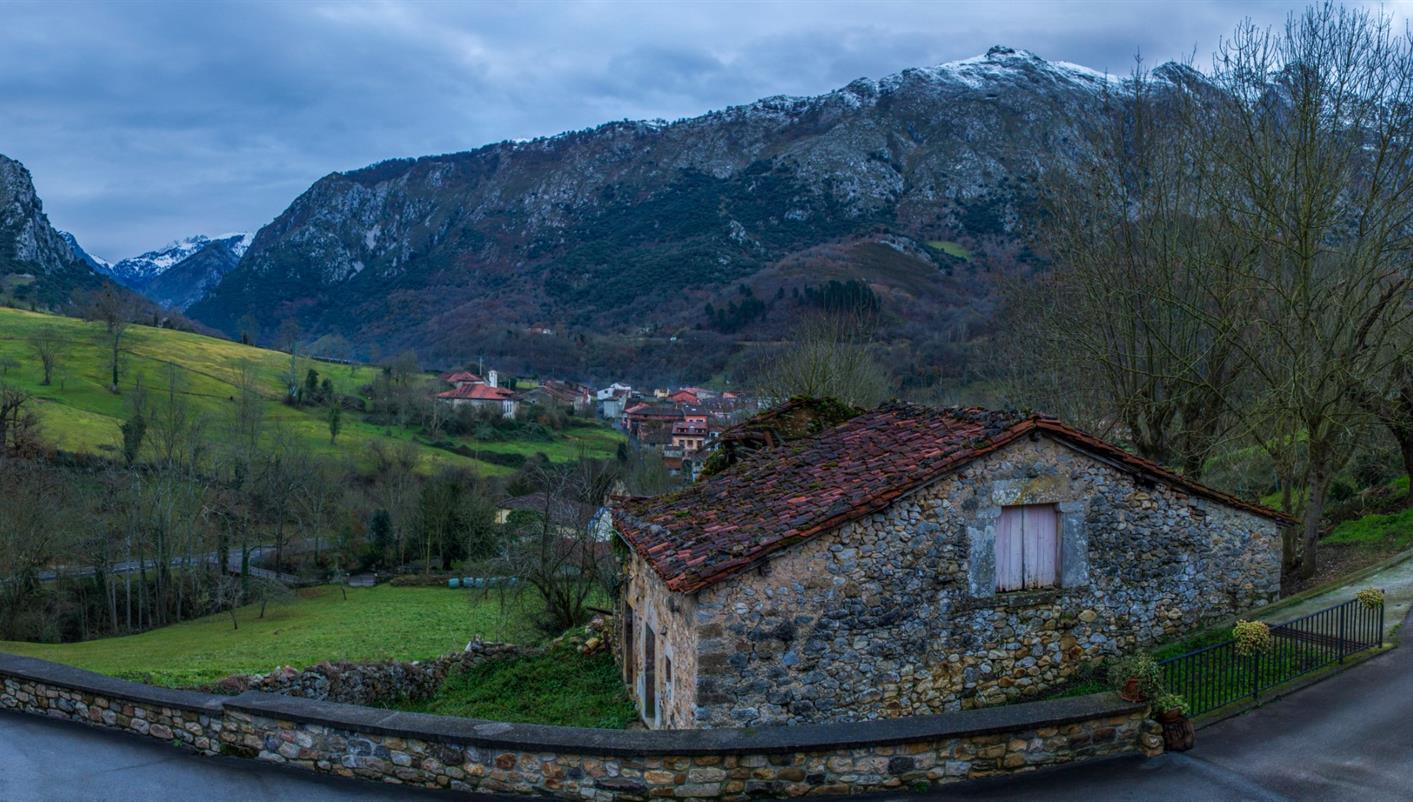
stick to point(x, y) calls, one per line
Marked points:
point(1178, 733)
point(1130, 691)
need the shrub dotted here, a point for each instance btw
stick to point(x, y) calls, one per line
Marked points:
point(1370, 597)
point(1140, 666)
point(1170, 701)
point(1252, 637)
point(1341, 490)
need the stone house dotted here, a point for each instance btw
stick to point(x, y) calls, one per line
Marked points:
point(914, 561)
point(482, 396)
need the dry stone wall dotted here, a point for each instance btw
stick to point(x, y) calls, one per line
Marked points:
point(584, 764)
point(366, 683)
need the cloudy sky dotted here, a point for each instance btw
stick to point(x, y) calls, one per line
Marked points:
point(145, 122)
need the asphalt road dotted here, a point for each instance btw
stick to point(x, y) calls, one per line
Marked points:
point(46, 760)
point(1347, 738)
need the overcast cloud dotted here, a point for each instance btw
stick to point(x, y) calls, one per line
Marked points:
point(144, 122)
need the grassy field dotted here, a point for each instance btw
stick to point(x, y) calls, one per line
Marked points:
point(558, 687)
point(384, 622)
point(78, 413)
point(953, 249)
point(1396, 527)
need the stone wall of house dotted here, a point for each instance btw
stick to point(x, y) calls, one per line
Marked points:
point(897, 614)
point(600, 765)
point(366, 683)
point(671, 617)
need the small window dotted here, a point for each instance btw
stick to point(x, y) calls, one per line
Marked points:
point(1027, 548)
point(667, 677)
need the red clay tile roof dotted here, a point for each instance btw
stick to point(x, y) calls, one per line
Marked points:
point(479, 392)
point(460, 376)
point(787, 495)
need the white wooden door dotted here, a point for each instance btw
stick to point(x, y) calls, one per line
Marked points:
point(1041, 548)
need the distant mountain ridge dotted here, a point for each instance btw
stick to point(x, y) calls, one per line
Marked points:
point(136, 271)
point(179, 273)
point(713, 230)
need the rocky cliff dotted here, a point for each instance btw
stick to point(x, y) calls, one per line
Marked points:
point(37, 265)
point(669, 245)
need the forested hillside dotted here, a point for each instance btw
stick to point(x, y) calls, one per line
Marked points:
point(587, 253)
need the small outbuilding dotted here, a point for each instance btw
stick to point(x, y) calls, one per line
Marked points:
point(913, 561)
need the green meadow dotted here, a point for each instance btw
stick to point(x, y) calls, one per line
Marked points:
point(78, 412)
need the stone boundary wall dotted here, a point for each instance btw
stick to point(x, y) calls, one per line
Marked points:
point(366, 683)
point(588, 764)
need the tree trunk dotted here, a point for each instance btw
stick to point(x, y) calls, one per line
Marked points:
point(1314, 518)
point(1404, 436)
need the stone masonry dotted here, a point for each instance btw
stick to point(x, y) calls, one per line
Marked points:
point(896, 614)
point(569, 763)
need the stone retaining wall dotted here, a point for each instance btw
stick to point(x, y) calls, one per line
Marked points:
point(366, 683)
point(572, 763)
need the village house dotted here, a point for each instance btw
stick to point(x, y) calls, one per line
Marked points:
point(651, 424)
point(684, 397)
point(461, 378)
point(553, 392)
point(691, 433)
point(482, 396)
point(914, 561)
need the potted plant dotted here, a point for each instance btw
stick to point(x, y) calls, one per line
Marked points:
point(1136, 677)
point(1178, 733)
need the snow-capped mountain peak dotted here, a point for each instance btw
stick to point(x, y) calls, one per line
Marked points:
point(137, 271)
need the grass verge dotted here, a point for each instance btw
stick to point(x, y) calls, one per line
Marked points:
point(558, 686)
point(378, 623)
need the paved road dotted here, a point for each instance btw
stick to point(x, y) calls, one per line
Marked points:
point(1347, 738)
point(232, 564)
point(43, 760)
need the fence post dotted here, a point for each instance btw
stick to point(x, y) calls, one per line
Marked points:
point(1379, 641)
point(1256, 676)
point(1342, 608)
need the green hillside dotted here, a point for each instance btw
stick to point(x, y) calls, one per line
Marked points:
point(79, 413)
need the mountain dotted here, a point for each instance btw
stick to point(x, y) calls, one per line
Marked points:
point(188, 280)
point(94, 263)
point(136, 272)
point(677, 250)
point(37, 265)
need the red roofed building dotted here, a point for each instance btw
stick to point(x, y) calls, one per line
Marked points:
point(651, 424)
point(460, 378)
point(690, 435)
point(684, 397)
point(482, 396)
point(913, 561)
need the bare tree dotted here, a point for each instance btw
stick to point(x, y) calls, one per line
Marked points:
point(115, 310)
point(830, 357)
point(556, 552)
point(19, 425)
point(48, 348)
point(1315, 148)
point(1134, 332)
